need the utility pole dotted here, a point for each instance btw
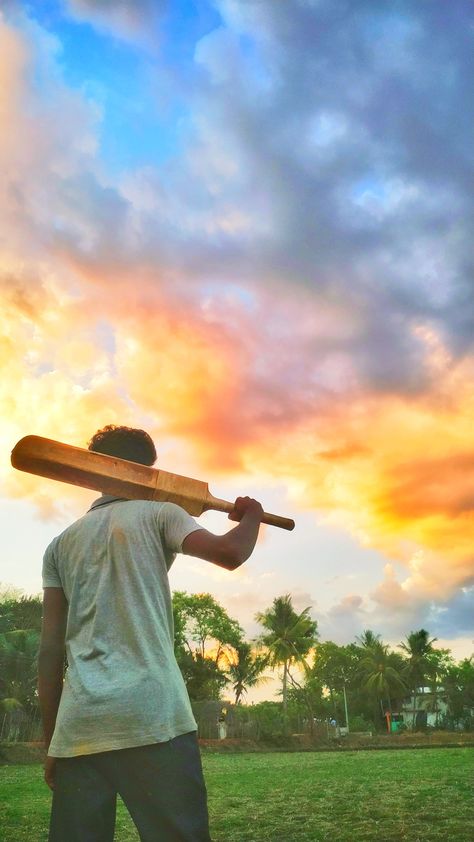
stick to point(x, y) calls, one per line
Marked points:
point(345, 706)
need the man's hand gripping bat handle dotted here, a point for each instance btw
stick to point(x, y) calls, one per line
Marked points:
point(272, 520)
point(110, 475)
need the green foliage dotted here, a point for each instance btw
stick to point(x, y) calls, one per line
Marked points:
point(18, 611)
point(335, 666)
point(245, 671)
point(204, 636)
point(368, 639)
point(418, 668)
point(439, 662)
point(308, 700)
point(18, 658)
point(9, 704)
point(380, 672)
point(458, 684)
point(268, 716)
point(200, 621)
point(368, 674)
point(288, 636)
point(359, 723)
point(202, 676)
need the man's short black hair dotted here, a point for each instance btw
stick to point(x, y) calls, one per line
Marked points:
point(124, 442)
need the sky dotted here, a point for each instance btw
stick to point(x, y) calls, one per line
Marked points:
point(246, 227)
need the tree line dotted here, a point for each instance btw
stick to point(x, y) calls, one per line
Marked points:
point(354, 684)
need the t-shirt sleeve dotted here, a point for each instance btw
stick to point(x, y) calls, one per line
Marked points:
point(51, 577)
point(175, 526)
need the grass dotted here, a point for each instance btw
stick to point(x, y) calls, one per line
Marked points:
point(394, 796)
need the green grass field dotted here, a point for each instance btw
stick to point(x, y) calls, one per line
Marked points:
point(391, 796)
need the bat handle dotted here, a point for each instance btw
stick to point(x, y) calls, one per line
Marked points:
point(278, 520)
point(272, 520)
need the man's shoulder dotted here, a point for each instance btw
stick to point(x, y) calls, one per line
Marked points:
point(156, 507)
point(53, 544)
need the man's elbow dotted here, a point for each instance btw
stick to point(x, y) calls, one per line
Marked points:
point(232, 562)
point(230, 557)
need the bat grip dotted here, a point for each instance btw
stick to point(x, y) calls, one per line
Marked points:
point(277, 520)
point(272, 520)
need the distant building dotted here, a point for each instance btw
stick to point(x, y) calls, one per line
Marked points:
point(424, 709)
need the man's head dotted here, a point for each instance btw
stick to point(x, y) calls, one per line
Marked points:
point(124, 442)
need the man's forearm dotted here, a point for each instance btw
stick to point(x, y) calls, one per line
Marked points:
point(233, 548)
point(50, 686)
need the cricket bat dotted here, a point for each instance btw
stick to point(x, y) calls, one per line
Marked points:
point(111, 475)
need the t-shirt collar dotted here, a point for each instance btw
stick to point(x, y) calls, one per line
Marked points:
point(105, 499)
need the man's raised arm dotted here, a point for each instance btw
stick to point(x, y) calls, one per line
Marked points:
point(233, 548)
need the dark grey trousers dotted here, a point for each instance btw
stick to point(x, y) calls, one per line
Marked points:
point(162, 786)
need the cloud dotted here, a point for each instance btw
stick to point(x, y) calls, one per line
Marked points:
point(453, 617)
point(47, 137)
point(52, 384)
point(447, 483)
point(393, 612)
point(367, 171)
point(130, 20)
point(250, 199)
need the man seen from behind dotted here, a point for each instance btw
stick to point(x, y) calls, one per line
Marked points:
point(121, 723)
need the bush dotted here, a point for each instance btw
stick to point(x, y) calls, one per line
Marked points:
point(267, 717)
point(359, 723)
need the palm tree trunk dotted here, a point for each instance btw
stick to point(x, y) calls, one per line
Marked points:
point(285, 697)
point(285, 687)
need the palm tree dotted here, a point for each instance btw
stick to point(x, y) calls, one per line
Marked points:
point(368, 639)
point(289, 637)
point(246, 670)
point(380, 672)
point(418, 647)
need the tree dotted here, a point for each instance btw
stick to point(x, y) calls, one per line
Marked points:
point(459, 693)
point(418, 647)
point(203, 678)
point(204, 638)
point(18, 654)
point(22, 613)
point(203, 622)
point(288, 638)
point(245, 670)
point(20, 625)
point(307, 696)
point(381, 673)
point(18, 611)
point(335, 666)
point(367, 639)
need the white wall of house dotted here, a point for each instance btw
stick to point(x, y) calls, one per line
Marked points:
point(433, 703)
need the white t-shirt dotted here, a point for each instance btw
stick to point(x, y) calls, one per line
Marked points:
point(123, 687)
